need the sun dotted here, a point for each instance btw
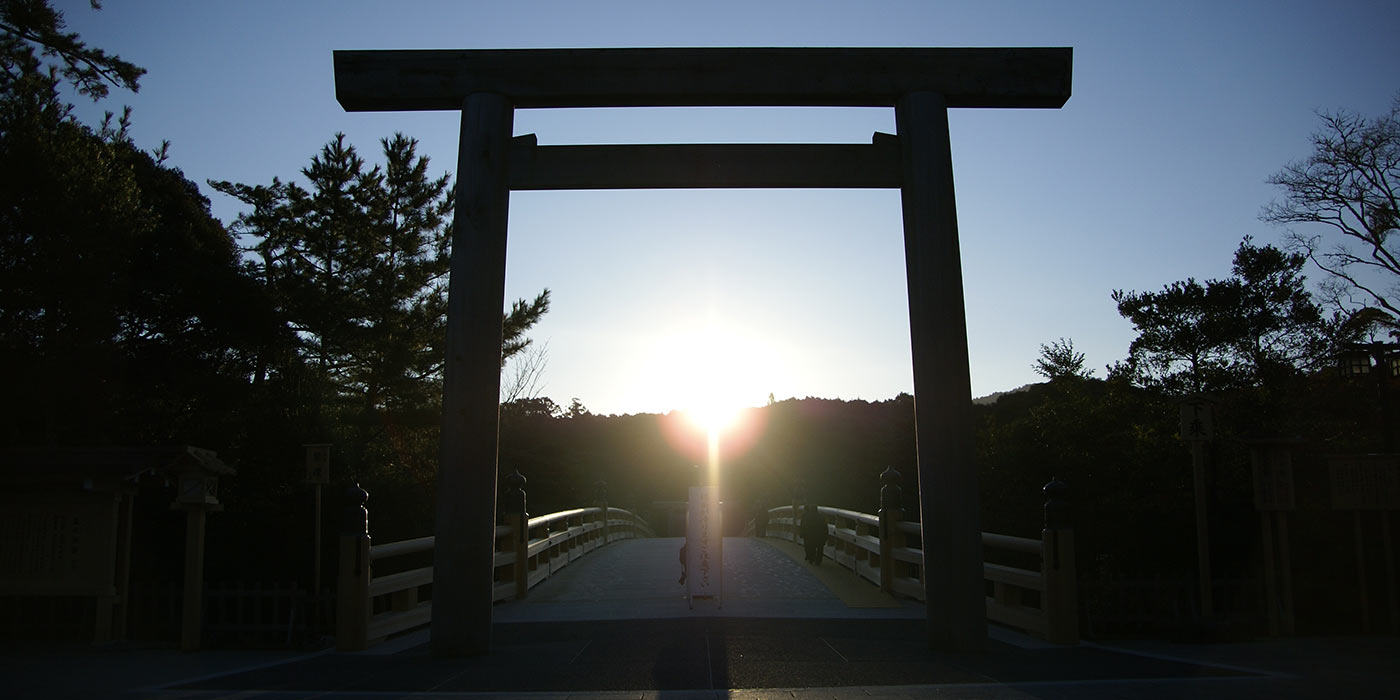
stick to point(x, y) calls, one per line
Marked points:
point(710, 373)
point(714, 414)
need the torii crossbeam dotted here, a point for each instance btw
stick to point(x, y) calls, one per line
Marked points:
point(921, 84)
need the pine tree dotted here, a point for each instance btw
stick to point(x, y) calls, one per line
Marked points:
point(1254, 328)
point(357, 261)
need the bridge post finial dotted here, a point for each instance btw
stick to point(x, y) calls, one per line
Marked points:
point(513, 505)
point(891, 512)
point(891, 494)
point(355, 520)
point(513, 500)
point(1057, 505)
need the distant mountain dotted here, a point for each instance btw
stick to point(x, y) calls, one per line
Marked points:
point(991, 398)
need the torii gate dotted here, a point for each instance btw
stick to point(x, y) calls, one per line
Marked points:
point(489, 85)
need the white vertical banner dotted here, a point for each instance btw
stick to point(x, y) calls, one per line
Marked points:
point(703, 544)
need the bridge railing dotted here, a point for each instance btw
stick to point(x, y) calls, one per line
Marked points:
point(551, 541)
point(1042, 601)
point(370, 607)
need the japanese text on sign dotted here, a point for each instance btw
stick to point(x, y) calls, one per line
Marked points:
point(1370, 482)
point(702, 540)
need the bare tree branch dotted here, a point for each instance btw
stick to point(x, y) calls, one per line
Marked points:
point(1348, 185)
point(524, 380)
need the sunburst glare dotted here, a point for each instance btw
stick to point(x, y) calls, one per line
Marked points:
point(711, 374)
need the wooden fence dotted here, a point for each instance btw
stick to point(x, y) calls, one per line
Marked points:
point(257, 613)
point(1041, 601)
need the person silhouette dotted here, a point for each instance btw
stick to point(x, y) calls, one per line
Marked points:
point(813, 529)
point(682, 581)
point(760, 518)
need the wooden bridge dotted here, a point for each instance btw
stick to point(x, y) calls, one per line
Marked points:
point(874, 569)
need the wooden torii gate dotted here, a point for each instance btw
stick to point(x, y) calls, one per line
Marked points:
point(921, 84)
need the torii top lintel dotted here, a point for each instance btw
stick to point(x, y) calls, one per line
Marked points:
point(694, 77)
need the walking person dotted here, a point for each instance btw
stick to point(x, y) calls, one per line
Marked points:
point(813, 529)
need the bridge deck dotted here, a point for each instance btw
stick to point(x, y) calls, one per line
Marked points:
point(637, 579)
point(604, 651)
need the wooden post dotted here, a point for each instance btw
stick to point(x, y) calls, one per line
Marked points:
point(316, 576)
point(352, 584)
point(520, 540)
point(318, 466)
point(192, 611)
point(513, 503)
point(1285, 565)
point(196, 496)
point(108, 604)
point(1272, 604)
point(798, 494)
point(949, 504)
point(1061, 603)
point(890, 515)
point(123, 579)
point(1389, 551)
point(1361, 582)
point(1198, 471)
point(466, 518)
point(600, 495)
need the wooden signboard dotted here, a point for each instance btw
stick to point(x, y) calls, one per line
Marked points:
point(704, 559)
point(1369, 482)
point(59, 548)
point(318, 463)
point(1273, 479)
point(1365, 482)
point(1196, 422)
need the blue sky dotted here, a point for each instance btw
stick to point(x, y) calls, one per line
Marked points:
point(1152, 172)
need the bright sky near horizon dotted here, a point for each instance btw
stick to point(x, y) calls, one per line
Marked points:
point(1151, 173)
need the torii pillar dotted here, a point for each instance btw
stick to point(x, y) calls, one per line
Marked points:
point(488, 85)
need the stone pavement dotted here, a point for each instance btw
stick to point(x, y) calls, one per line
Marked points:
point(635, 637)
point(727, 658)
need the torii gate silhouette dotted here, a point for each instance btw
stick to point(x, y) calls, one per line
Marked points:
point(921, 84)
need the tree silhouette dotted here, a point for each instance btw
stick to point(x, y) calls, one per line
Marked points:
point(358, 263)
point(1350, 186)
point(1060, 360)
point(124, 315)
point(356, 256)
point(1256, 327)
point(33, 31)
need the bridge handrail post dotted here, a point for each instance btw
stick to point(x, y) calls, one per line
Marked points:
point(513, 504)
point(352, 584)
point(600, 495)
point(799, 494)
point(891, 513)
point(1058, 567)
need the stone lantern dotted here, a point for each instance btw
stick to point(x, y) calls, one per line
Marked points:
point(196, 493)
